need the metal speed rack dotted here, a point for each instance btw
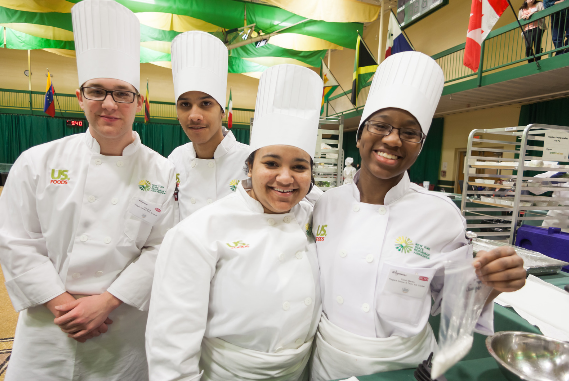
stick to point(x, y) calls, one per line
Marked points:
point(329, 162)
point(495, 204)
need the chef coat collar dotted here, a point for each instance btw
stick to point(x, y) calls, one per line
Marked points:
point(222, 149)
point(392, 195)
point(255, 205)
point(94, 146)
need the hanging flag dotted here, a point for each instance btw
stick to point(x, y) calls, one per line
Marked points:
point(48, 105)
point(364, 68)
point(146, 106)
point(483, 16)
point(230, 111)
point(330, 84)
point(396, 40)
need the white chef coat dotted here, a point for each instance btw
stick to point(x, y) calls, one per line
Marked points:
point(202, 181)
point(557, 218)
point(232, 272)
point(69, 222)
point(414, 232)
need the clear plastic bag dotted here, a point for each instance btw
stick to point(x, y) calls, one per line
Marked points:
point(464, 296)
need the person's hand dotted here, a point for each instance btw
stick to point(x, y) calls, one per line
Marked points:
point(103, 328)
point(500, 268)
point(82, 317)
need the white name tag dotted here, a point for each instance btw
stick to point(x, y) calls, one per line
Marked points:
point(403, 283)
point(146, 211)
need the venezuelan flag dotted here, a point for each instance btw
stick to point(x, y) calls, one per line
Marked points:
point(146, 106)
point(49, 106)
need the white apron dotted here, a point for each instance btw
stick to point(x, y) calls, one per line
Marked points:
point(341, 354)
point(222, 361)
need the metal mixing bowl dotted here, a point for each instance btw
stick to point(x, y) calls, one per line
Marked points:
point(530, 357)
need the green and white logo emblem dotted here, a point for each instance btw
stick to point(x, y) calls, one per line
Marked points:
point(233, 185)
point(147, 186)
point(144, 185)
point(406, 245)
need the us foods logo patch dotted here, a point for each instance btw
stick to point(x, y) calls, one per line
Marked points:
point(321, 232)
point(237, 245)
point(59, 176)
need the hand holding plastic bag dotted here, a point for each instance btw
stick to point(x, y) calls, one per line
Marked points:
point(464, 296)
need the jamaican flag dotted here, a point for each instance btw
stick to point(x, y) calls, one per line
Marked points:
point(330, 84)
point(364, 68)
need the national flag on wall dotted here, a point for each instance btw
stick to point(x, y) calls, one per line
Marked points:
point(364, 68)
point(396, 40)
point(48, 105)
point(146, 106)
point(330, 84)
point(483, 16)
point(230, 111)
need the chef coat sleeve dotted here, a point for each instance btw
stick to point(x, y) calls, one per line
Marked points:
point(313, 195)
point(31, 278)
point(179, 305)
point(460, 250)
point(134, 283)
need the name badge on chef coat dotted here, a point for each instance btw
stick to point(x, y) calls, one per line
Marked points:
point(403, 283)
point(146, 211)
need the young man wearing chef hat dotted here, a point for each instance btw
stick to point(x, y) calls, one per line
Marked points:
point(83, 218)
point(241, 301)
point(382, 227)
point(211, 165)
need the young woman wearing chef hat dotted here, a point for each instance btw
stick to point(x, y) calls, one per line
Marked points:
point(383, 225)
point(83, 218)
point(209, 167)
point(236, 294)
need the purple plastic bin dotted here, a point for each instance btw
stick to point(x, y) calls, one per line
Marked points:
point(549, 241)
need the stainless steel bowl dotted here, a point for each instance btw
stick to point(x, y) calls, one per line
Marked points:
point(529, 357)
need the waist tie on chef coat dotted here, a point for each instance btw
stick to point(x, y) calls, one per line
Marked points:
point(339, 353)
point(221, 361)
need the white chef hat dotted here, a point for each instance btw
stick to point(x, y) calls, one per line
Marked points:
point(411, 81)
point(107, 41)
point(288, 108)
point(349, 161)
point(199, 63)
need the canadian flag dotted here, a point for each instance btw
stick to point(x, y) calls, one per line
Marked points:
point(483, 16)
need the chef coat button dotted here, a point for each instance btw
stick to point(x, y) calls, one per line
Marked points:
point(193, 200)
point(98, 161)
point(119, 163)
point(211, 164)
point(339, 299)
point(382, 210)
point(76, 276)
point(286, 306)
point(343, 253)
point(271, 221)
point(114, 201)
point(369, 258)
point(107, 239)
point(299, 254)
point(281, 257)
point(287, 219)
point(308, 301)
point(92, 198)
point(299, 341)
point(365, 307)
point(194, 163)
point(209, 200)
point(99, 273)
point(356, 208)
point(84, 238)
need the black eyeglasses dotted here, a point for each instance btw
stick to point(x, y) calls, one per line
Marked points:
point(407, 134)
point(98, 94)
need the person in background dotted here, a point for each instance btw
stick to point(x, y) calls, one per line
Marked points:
point(556, 218)
point(236, 294)
point(211, 165)
point(534, 30)
point(559, 27)
point(83, 218)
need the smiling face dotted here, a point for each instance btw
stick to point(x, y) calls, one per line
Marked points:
point(281, 176)
point(200, 116)
point(388, 157)
point(107, 119)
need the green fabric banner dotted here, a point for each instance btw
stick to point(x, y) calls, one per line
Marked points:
point(312, 58)
point(23, 41)
point(426, 167)
point(552, 112)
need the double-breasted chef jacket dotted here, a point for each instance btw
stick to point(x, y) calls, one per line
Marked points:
point(77, 221)
point(203, 181)
point(360, 246)
point(241, 279)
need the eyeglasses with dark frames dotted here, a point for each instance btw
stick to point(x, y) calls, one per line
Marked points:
point(406, 134)
point(99, 94)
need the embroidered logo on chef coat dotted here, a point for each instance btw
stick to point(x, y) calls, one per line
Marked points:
point(147, 186)
point(59, 176)
point(321, 232)
point(308, 229)
point(233, 185)
point(177, 180)
point(237, 245)
point(406, 245)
